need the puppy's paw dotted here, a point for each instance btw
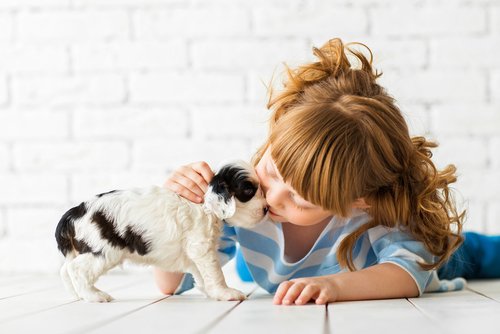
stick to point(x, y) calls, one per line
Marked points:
point(97, 297)
point(227, 294)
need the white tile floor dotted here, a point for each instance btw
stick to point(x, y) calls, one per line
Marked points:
point(39, 304)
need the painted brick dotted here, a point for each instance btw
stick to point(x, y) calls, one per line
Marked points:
point(3, 224)
point(436, 86)
point(466, 119)
point(129, 123)
point(463, 53)
point(283, 4)
point(245, 54)
point(85, 185)
point(394, 53)
point(33, 188)
point(308, 22)
point(30, 255)
point(476, 216)
point(463, 152)
point(494, 15)
point(495, 152)
point(64, 90)
point(29, 58)
point(130, 56)
point(31, 222)
point(493, 222)
point(69, 26)
point(431, 20)
point(6, 27)
point(495, 86)
point(479, 185)
point(71, 157)
point(202, 22)
point(20, 124)
point(229, 122)
point(170, 155)
point(34, 4)
point(124, 3)
point(186, 87)
point(5, 159)
point(417, 118)
point(4, 91)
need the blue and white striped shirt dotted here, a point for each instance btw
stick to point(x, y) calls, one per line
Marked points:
point(262, 248)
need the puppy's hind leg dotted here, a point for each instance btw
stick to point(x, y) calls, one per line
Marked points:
point(84, 271)
point(68, 283)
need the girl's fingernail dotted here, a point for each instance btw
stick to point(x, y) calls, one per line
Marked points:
point(198, 199)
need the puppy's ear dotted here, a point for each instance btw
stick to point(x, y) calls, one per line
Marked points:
point(219, 200)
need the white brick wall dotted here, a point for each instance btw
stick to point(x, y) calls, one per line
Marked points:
point(98, 95)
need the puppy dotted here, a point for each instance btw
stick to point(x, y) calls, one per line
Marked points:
point(155, 226)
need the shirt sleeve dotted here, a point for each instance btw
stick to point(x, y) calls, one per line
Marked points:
point(392, 245)
point(226, 251)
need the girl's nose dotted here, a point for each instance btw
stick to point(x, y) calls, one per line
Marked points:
point(274, 197)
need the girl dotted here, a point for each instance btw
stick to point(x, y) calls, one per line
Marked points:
point(357, 209)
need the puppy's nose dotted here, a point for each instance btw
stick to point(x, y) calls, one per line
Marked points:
point(265, 210)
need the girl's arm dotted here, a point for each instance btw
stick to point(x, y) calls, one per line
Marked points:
point(167, 282)
point(381, 281)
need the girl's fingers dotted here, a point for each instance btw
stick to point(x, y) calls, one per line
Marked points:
point(309, 292)
point(204, 169)
point(322, 298)
point(293, 292)
point(192, 180)
point(281, 291)
point(183, 191)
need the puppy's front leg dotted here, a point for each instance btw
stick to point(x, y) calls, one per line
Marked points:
point(209, 268)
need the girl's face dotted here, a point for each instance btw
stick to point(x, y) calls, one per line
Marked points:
point(285, 205)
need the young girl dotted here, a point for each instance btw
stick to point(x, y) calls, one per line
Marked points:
point(357, 209)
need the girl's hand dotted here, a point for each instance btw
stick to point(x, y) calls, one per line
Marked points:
point(190, 181)
point(322, 289)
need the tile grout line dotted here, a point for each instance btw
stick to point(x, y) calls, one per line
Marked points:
point(481, 294)
point(12, 318)
point(427, 315)
point(326, 328)
point(98, 324)
point(218, 319)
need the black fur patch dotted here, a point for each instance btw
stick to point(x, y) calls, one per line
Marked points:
point(233, 180)
point(65, 230)
point(107, 193)
point(82, 247)
point(131, 240)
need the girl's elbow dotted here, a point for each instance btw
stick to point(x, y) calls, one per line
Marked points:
point(166, 290)
point(167, 282)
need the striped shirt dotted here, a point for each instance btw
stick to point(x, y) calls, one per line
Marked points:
point(262, 248)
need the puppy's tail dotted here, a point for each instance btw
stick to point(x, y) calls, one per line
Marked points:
point(65, 230)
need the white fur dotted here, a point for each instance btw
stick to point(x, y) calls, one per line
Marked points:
point(183, 237)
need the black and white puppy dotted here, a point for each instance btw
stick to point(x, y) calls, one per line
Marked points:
point(155, 226)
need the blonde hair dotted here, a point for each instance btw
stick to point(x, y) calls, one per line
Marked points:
point(337, 136)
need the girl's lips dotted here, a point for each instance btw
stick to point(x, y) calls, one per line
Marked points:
point(272, 212)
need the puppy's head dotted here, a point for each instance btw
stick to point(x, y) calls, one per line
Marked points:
point(234, 194)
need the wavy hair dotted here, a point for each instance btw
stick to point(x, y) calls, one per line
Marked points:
point(336, 136)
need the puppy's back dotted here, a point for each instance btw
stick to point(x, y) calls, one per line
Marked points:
point(131, 219)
